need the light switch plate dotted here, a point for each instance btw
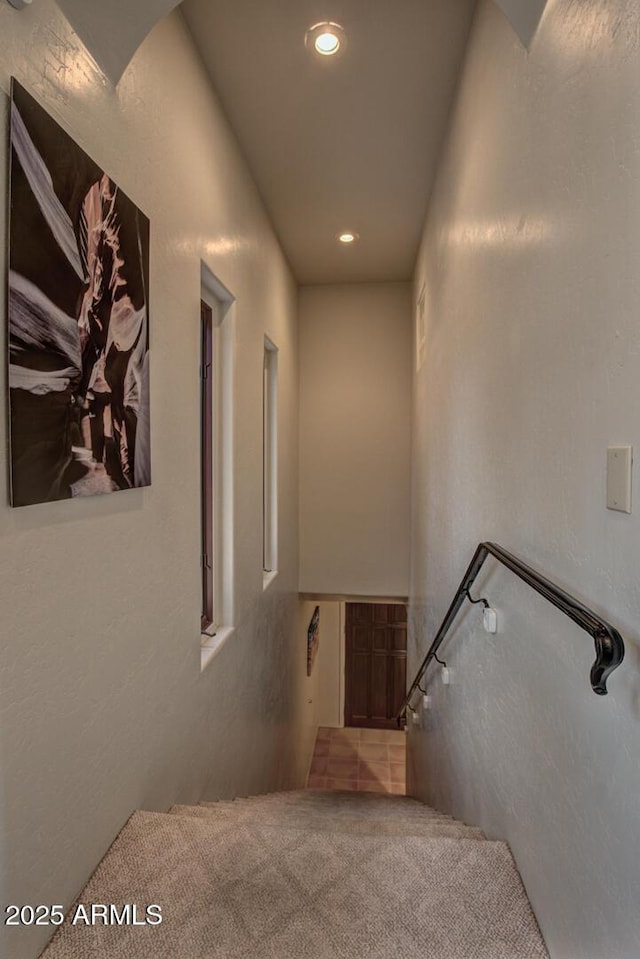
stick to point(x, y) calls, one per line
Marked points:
point(619, 464)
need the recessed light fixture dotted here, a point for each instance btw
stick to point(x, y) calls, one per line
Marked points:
point(347, 237)
point(325, 38)
point(327, 43)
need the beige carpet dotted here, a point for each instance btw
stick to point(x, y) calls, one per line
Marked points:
point(267, 878)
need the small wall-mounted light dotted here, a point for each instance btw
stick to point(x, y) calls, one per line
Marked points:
point(445, 673)
point(415, 715)
point(348, 237)
point(19, 4)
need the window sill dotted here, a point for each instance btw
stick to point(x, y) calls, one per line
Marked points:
point(268, 578)
point(212, 642)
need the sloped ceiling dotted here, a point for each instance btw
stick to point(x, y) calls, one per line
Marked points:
point(525, 16)
point(114, 29)
point(333, 144)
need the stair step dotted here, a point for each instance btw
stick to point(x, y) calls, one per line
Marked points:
point(229, 890)
point(336, 804)
point(331, 798)
point(353, 826)
point(373, 813)
point(296, 795)
point(331, 816)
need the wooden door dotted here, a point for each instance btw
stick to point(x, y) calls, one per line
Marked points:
point(376, 664)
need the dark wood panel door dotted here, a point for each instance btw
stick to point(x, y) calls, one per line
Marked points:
point(376, 664)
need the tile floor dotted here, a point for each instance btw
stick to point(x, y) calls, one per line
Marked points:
point(372, 760)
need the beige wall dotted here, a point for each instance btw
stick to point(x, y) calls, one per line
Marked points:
point(330, 665)
point(530, 261)
point(355, 405)
point(311, 691)
point(104, 708)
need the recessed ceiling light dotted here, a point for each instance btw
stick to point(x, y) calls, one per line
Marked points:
point(325, 38)
point(327, 43)
point(347, 237)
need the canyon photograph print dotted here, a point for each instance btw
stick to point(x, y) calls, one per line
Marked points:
point(78, 319)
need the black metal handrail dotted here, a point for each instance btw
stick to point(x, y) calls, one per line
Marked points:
point(608, 641)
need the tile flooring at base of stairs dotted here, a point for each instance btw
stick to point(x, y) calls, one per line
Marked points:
point(368, 760)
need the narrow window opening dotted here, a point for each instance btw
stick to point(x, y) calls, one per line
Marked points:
point(270, 458)
point(207, 547)
point(217, 350)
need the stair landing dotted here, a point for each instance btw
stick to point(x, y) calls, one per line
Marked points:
point(366, 760)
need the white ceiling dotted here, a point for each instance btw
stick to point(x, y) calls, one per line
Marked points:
point(350, 142)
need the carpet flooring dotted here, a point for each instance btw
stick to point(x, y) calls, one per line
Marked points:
point(307, 875)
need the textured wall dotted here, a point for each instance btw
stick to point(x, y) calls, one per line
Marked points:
point(530, 260)
point(355, 405)
point(103, 707)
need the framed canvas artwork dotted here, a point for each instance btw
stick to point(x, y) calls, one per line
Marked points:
point(78, 316)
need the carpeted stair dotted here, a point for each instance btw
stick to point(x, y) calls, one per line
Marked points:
point(307, 875)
